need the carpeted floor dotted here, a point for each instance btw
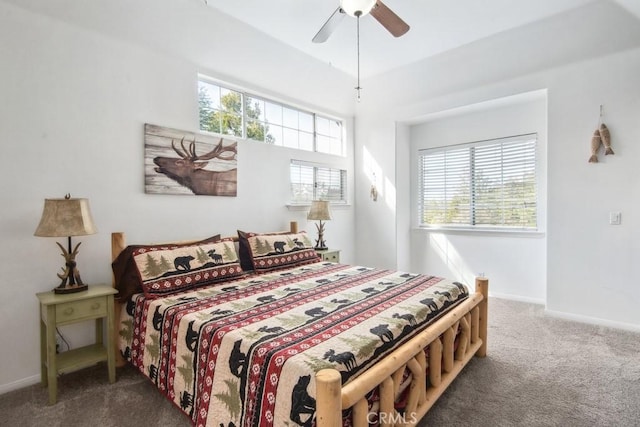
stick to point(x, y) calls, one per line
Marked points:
point(540, 371)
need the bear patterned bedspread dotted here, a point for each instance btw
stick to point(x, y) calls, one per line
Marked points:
point(245, 352)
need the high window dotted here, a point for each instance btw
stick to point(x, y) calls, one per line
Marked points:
point(481, 185)
point(240, 114)
point(317, 182)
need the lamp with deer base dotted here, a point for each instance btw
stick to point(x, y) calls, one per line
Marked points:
point(65, 218)
point(319, 211)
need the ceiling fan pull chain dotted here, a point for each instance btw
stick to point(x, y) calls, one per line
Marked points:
point(358, 48)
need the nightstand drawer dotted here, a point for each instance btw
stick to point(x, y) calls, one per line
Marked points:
point(331, 257)
point(94, 307)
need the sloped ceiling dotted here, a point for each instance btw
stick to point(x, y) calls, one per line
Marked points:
point(437, 26)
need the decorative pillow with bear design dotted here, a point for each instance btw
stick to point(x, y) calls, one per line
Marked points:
point(267, 252)
point(168, 269)
point(125, 272)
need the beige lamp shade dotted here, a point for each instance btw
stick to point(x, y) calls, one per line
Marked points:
point(319, 211)
point(65, 217)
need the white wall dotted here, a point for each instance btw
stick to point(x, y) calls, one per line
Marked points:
point(590, 264)
point(376, 220)
point(75, 98)
point(516, 262)
point(593, 266)
point(403, 198)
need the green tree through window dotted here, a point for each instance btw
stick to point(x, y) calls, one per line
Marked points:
point(234, 112)
point(227, 119)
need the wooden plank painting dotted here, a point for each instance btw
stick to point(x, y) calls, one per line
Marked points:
point(181, 162)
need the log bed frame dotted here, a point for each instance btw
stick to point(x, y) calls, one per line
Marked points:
point(468, 321)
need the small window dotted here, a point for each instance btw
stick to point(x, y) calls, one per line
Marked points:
point(329, 136)
point(317, 182)
point(484, 185)
point(220, 109)
point(231, 112)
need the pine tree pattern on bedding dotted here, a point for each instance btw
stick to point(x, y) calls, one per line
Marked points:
point(245, 352)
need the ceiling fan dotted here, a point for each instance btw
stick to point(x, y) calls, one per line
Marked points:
point(357, 8)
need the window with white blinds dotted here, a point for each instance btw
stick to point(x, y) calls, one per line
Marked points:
point(311, 181)
point(485, 185)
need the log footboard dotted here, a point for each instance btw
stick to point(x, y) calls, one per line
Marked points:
point(467, 321)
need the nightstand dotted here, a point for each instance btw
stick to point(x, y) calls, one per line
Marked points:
point(331, 255)
point(96, 303)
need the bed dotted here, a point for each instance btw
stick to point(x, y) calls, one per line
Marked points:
point(295, 341)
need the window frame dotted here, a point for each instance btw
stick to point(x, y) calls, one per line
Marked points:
point(245, 94)
point(343, 201)
point(470, 225)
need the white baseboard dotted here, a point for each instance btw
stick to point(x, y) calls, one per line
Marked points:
point(24, 382)
point(570, 316)
point(517, 298)
point(593, 320)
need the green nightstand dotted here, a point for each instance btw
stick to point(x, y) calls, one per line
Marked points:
point(330, 255)
point(57, 310)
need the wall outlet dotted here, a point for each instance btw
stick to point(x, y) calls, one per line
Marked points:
point(615, 218)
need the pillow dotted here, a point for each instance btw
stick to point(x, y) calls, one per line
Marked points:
point(275, 251)
point(168, 270)
point(125, 272)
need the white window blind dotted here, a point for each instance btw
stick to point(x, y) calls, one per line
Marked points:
point(317, 182)
point(487, 184)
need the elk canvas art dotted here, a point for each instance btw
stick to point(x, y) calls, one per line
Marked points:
point(180, 162)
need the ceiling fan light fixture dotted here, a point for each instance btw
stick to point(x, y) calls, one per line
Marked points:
point(357, 7)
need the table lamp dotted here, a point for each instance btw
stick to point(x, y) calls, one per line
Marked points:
point(319, 211)
point(65, 218)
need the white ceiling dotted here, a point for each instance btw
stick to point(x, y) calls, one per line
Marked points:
point(436, 26)
point(552, 31)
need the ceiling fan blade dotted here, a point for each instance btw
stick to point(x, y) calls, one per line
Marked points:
point(329, 27)
point(389, 19)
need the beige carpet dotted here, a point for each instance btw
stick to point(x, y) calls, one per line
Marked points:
point(540, 371)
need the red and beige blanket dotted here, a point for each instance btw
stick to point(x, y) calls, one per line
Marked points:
point(245, 352)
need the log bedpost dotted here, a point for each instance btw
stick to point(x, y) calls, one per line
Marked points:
point(482, 286)
point(328, 398)
point(118, 244)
